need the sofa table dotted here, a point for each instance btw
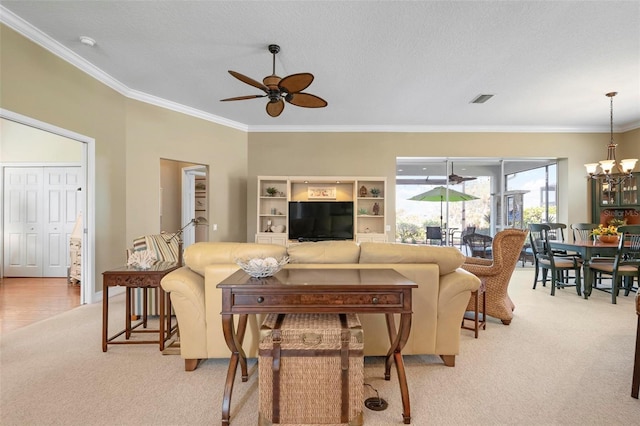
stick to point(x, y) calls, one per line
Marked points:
point(354, 290)
point(146, 279)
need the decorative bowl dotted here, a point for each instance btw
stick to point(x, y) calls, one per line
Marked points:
point(609, 238)
point(262, 267)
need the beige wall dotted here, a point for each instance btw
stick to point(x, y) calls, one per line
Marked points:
point(131, 137)
point(24, 144)
point(374, 154)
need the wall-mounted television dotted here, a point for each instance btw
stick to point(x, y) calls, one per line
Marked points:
point(320, 220)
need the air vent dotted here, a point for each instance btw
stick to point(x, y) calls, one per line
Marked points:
point(480, 99)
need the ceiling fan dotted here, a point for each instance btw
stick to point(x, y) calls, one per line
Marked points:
point(456, 179)
point(279, 89)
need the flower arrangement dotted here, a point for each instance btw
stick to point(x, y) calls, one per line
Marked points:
point(605, 230)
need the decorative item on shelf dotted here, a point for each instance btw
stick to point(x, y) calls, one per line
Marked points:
point(271, 191)
point(277, 229)
point(376, 208)
point(142, 259)
point(196, 221)
point(362, 211)
point(606, 234)
point(262, 267)
point(625, 167)
point(268, 226)
point(363, 191)
point(375, 192)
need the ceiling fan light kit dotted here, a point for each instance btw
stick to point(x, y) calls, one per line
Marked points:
point(278, 90)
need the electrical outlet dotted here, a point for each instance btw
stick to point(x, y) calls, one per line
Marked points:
point(387, 228)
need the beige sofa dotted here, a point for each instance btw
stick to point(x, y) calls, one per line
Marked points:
point(439, 302)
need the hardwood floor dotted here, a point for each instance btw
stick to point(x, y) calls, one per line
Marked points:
point(24, 301)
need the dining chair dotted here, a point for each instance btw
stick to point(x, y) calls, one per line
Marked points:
point(548, 261)
point(478, 245)
point(625, 266)
point(582, 231)
point(556, 231)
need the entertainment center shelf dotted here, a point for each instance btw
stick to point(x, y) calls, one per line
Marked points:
point(357, 207)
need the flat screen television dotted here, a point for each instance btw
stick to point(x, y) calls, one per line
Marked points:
point(320, 220)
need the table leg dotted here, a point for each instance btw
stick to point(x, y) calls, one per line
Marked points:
point(161, 305)
point(127, 301)
point(398, 340)
point(145, 306)
point(105, 315)
point(234, 342)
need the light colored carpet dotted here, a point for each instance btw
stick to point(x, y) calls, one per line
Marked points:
point(562, 361)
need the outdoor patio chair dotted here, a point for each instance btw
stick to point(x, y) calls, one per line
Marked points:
point(479, 245)
point(434, 234)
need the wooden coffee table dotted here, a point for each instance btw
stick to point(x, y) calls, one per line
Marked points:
point(371, 291)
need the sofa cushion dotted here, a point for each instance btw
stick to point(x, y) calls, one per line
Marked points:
point(197, 256)
point(324, 252)
point(448, 258)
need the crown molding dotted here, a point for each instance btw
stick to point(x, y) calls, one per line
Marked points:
point(425, 129)
point(35, 35)
point(32, 33)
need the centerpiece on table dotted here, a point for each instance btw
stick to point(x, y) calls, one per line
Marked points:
point(608, 234)
point(262, 267)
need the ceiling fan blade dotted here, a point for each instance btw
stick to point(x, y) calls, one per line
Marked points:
point(249, 81)
point(275, 108)
point(241, 98)
point(296, 82)
point(306, 100)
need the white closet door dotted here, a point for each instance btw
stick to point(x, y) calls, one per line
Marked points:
point(23, 223)
point(41, 205)
point(62, 204)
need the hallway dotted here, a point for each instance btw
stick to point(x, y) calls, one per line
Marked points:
point(24, 301)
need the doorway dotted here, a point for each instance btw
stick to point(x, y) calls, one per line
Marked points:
point(86, 181)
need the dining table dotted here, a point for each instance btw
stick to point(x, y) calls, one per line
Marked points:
point(586, 249)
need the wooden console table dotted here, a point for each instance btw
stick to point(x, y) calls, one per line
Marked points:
point(370, 291)
point(146, 279)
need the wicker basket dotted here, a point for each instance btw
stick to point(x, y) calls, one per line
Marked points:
point(311, 387)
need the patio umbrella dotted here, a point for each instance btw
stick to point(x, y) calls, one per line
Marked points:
point(440, 193)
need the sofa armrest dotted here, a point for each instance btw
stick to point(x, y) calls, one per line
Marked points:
point(454, 295)
point(186, 289)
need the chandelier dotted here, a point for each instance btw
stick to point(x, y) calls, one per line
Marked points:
point(625, 168)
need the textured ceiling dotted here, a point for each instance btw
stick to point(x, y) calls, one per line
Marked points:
point(381, 65)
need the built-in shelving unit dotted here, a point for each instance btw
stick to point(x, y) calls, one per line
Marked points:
point(367, 194)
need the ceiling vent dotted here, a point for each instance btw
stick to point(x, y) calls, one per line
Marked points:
point(480, 99)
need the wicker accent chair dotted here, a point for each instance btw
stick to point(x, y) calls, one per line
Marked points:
point(496, 273)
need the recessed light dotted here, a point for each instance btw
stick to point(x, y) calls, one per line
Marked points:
point(480, 99)
point(88, 41)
